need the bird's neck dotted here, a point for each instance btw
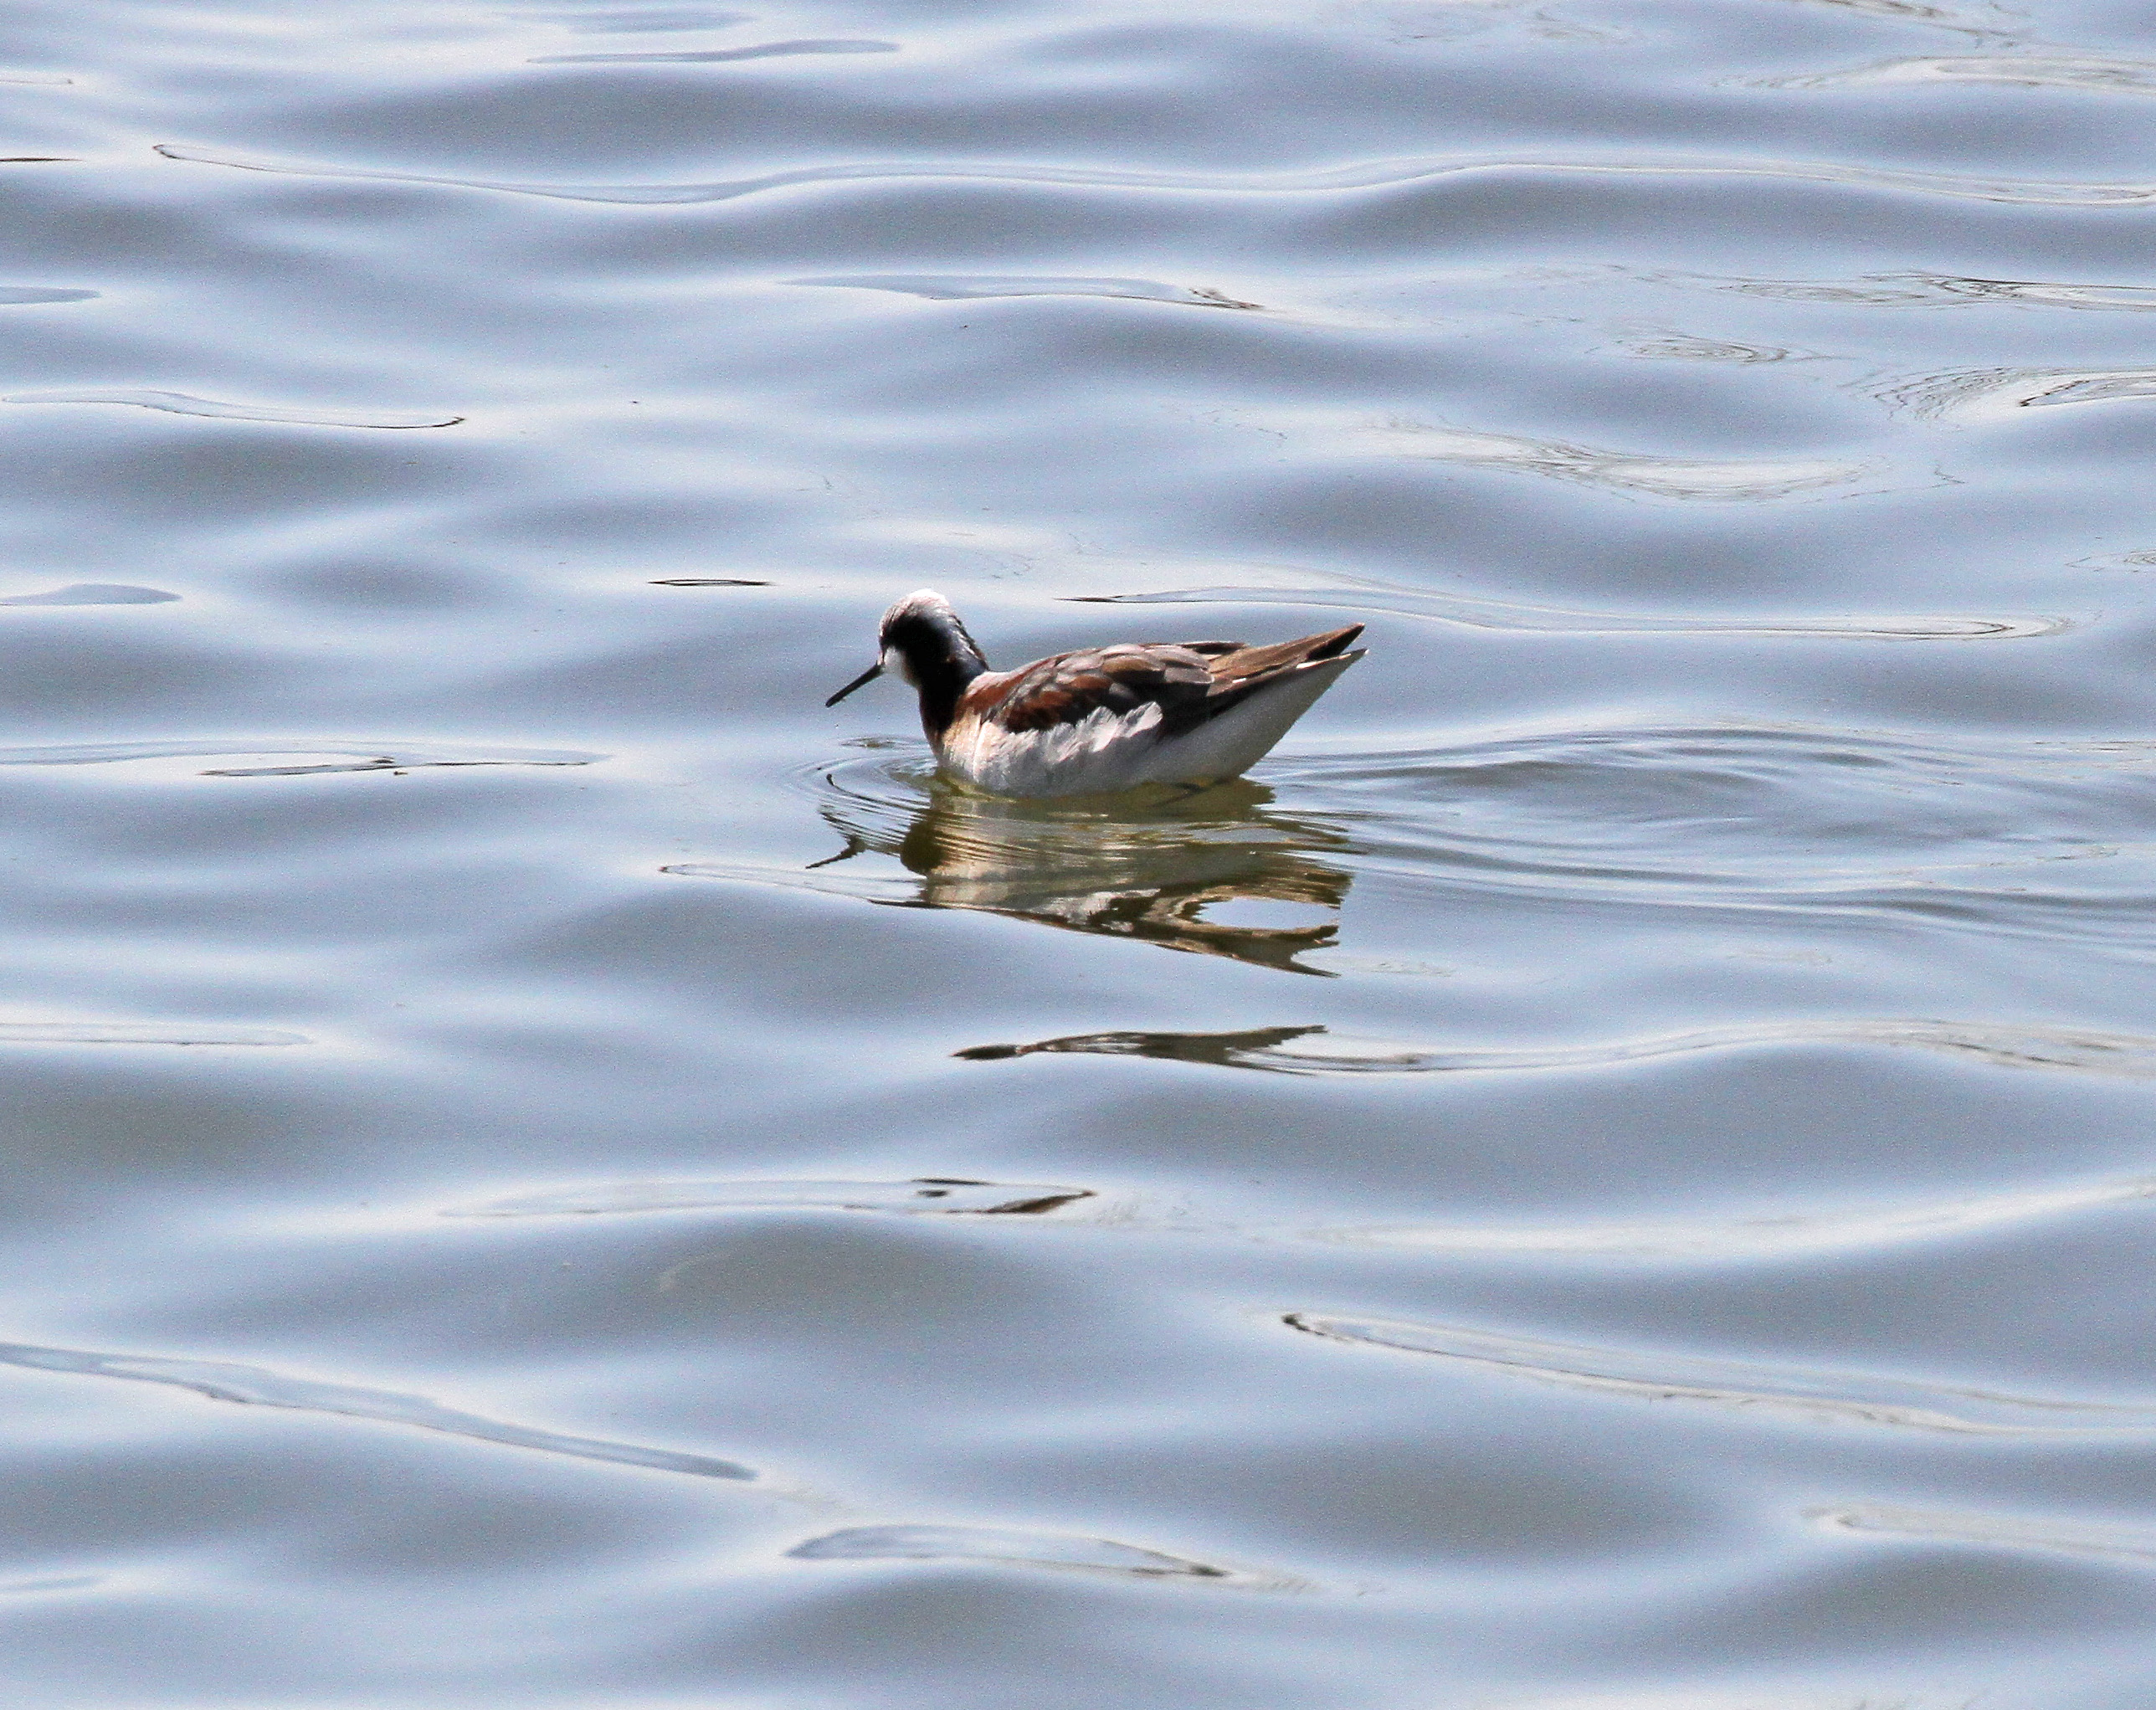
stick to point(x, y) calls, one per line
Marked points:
point(941, 659)
point(942, 681)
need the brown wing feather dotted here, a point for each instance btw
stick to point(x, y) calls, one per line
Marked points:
point(1189, 681)
point(1070, 686)
point(1247, 662)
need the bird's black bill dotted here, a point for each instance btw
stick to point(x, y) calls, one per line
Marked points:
point(868, 676)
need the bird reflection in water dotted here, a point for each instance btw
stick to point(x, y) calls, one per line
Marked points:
point(1148, 865)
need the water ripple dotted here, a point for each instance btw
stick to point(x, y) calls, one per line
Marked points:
point(255, 1386)
point(1920, 291)
point(644, 21)
point(1660, 477)
point(1919, 12)
point(2022, 70)
point(924, 1195)
point(43, 293)
point(1475, 612)
point(2046, 839)
point(1376, 176)
point(1817, 1398)
point(93, 593)
point(1776, 1697)
point(166, 1032)
point(1009, 1548)
point(57, 1582)
point(1994, 394)
point(2136, 1544)
point(1318, 1050)
point(1249, 1048)
point(181, 403)
point(1683, 348)
point(351, 756)
point(1777, 1235)
point(959, 287)
point(716, 56)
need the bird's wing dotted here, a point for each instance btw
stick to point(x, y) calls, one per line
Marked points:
point(1189, 682)
point(1233, 669)
point(1248, 671)
point(1067, 687)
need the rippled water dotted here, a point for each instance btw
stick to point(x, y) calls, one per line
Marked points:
point(1612, 1173)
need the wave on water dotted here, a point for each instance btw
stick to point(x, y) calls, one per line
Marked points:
point(2046, 839)
point(1986, 20)
point(1318, 1050)
point(181, 403)
point(645, 20)
point(1012, 1548)
point(10, 294)
point(1920, 291)
point(719, 56)
point(925, 1195)
point(1683, 348)
point(1751, 825)
point(166, 1033)
point(1994, 394)
point(1475, 612)
point(1626, 472)
point(964, 287)
point(56, 1582)
point(1252, 1047)
point(2134, 1543)
point(1775, 1235)
point(1777, 1698)
point(256, 1386)
point(336, 755)
point(1813, 1397)
point(93, 593)
point(1377, 176)
point(2081, 72)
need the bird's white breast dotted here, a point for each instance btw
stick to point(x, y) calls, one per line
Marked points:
point(1101, 753)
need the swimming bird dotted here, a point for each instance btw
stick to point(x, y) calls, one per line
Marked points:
point(1101, 719)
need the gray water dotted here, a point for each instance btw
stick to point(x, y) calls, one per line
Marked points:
point(1614, 1172)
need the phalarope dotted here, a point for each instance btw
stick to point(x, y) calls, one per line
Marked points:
point(1102, 719)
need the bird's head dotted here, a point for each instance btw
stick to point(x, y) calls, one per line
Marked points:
point(920, 637)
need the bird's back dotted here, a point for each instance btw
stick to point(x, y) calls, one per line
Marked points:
point(1103, 719)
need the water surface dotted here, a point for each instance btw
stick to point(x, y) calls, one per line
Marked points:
point(1612, 1173)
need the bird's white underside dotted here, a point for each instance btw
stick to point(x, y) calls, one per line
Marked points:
point(1106, 752)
